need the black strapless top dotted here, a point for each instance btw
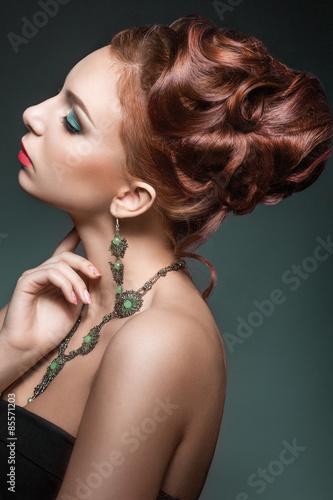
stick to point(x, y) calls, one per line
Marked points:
point(42, 453)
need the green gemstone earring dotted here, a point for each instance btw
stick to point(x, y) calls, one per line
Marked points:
point(117, 248)
point(129, 301)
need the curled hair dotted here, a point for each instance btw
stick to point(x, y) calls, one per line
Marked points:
point(216, 125)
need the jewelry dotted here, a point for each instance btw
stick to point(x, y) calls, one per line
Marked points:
point(117, 248)
point(126, 304)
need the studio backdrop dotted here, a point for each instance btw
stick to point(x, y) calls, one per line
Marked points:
point(273, 302)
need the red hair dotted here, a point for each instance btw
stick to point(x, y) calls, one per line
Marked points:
point(216, 125)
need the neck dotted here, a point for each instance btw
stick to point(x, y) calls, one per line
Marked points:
point(148, 251)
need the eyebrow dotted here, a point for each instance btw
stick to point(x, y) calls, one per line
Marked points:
point(76, 99)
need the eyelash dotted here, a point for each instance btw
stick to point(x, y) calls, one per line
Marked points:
point(68, 126)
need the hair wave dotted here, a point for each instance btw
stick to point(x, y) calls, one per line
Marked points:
point(216, 125)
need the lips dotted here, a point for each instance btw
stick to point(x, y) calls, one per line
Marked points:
point(24, 157)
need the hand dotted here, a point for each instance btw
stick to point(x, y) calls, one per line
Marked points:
point(47, 301)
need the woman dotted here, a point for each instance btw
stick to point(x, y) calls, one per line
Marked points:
point(150, 144)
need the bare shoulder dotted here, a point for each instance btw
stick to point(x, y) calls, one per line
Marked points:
point(173, 345)
point(171, 328)
point(156, 398)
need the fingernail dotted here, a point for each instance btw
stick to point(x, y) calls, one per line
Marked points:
point(74, 298)
point(87, 296)
point(95, 271)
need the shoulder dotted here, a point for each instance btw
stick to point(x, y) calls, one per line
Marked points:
point(166, 346)
point(162, 328)
point(136, 408)
point(164, 333)
point(156, 341)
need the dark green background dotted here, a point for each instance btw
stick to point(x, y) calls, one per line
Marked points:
point(280, 377)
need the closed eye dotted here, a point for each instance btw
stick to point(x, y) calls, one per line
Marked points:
point(71, 123)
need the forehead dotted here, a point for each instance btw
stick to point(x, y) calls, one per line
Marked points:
point(94, 80)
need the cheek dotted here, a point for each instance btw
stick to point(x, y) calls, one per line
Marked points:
point(99, 151)
point(93, 172)
point(97, 160)
point(76, 163)
point(77, 173)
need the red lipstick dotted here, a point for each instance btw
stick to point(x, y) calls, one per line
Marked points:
point(24, 157)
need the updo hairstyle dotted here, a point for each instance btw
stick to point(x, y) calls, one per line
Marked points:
point(215, 124)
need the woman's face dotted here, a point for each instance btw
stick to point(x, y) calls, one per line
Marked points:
point(73, 140)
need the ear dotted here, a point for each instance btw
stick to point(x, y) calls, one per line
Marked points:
point(135, 200)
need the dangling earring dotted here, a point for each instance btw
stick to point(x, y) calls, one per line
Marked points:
point(117, 248)
point(129, 301)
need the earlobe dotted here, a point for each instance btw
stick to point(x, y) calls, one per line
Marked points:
point(135, 201)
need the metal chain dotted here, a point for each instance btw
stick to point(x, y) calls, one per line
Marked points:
point(162, 272)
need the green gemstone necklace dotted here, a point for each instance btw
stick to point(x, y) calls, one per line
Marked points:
point(126, 304)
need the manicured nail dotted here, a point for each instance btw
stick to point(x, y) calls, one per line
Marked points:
point(74, 298)
point(95, 271)
point(87, 296)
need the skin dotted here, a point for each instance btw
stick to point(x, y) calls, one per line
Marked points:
point(169, 351)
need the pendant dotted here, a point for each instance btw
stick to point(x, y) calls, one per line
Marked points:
point(52, 370)
point(90, 340)
point(118, 246)
point(127, 303)
point(117, 270)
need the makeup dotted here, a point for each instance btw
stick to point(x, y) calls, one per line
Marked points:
point(71, 123)
point(23, 157)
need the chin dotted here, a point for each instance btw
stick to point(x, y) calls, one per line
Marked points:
point(28, 186)
point(24, 180)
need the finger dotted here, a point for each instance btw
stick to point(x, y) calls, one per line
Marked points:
point(69, 243)
point(78, 284)
point(73, 260)
point(42, 279)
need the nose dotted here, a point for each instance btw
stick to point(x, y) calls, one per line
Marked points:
point(33, 120)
